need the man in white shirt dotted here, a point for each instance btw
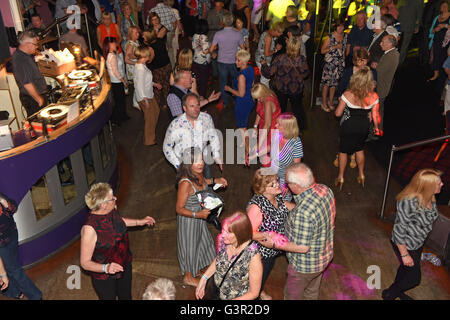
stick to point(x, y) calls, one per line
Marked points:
point(192, 129)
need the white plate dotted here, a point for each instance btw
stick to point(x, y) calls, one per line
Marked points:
point(80, 74)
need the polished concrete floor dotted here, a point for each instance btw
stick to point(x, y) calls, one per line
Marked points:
point(147, 188)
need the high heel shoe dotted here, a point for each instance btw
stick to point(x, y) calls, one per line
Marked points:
point(338, 182)
point(361, 180)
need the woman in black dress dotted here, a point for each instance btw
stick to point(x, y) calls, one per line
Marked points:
point(358, 106)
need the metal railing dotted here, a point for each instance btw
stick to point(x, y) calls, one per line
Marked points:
point(399, 148)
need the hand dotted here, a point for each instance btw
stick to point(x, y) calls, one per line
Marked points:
point(227, 88)
point(214, 96)
point(408, 261)
point(200, 290)
point(222, 181)
point(4, 282)
point(416, 30)
point(263, 61)
point(113, 268)
point(4, 202)
point(203, 214)
point(149, 221)
point(157, 86)
point(41, 101)
point(373, 65)
point(214, 55)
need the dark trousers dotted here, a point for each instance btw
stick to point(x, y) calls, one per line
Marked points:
point(202, 72)
point(19, 282)
point(112, 288)
point(407, 277)
point(30, 105)
point(268, 264)
point(296, 105)
point(118, 94)
point(226, 71)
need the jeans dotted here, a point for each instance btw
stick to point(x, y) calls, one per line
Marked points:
point(19, 282)
point(226, 70)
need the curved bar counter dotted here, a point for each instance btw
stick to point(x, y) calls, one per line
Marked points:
point(49, 176)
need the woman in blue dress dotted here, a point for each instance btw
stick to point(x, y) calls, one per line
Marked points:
point(243, 84)
point(244, 101)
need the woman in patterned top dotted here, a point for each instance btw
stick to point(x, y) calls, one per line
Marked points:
point(286, 148)
point(243, 281)
point(267, 212)
point(288, 71)
point(416, 213)
point(105, 250)
point(202, 58)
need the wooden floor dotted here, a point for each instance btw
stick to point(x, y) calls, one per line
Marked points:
point(147, 188)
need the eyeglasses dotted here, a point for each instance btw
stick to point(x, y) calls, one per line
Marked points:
point(112, 199)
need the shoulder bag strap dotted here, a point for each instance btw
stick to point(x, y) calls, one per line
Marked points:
point(235, 260)
point(295, 68)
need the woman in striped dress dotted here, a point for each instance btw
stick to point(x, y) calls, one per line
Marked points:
point(286, 148)
point(416, 214)
point(195, 245)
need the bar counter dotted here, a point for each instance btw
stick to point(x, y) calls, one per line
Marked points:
point(49, 176)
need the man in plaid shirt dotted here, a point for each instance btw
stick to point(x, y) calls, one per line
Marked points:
point(309, 228)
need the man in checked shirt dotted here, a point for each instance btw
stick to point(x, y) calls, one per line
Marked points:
point(309, 228)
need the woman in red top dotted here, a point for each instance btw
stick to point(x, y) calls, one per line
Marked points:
point(268, 109)
point(108, 29)
point(105, 249)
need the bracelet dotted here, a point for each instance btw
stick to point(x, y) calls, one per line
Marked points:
point(405, 255)
point(3, 276)
point(105, 267)
point(193, 215)
point(205, 277)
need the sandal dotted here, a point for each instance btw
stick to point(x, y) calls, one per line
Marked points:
point(325, 108)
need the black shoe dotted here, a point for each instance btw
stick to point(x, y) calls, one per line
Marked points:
point(386, 295)
point(404, 296)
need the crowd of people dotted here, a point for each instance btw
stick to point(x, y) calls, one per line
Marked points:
point(290, 212)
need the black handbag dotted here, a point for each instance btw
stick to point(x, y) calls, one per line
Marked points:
point(212, 291)
point(213, 217)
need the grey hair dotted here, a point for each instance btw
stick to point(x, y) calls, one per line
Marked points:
point(26, 35)
point(187, 96)
point(227, 19)
point(392, 39)
point(160, 289)
point(300, 174)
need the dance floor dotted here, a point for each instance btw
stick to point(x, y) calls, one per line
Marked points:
point(362, 241)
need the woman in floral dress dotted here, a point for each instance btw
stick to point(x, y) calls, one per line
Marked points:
point(334, 50)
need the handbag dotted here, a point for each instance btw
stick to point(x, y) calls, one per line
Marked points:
point(212, 291)
point(213, 202)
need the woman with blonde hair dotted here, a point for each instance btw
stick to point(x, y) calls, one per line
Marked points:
point(107, 28)
point(266, 46)
point(288, 71)
point(105, 249)
point(267, 111)
point(143, 93)
point(184, 62)
point(131, 45)
point(358, 106)
point(286, 148)
point(244, 102)
point(241, 280)
point(416, 213)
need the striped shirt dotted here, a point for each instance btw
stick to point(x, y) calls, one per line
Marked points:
point(293, 149)
point(311, 223)
point(412, 223)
